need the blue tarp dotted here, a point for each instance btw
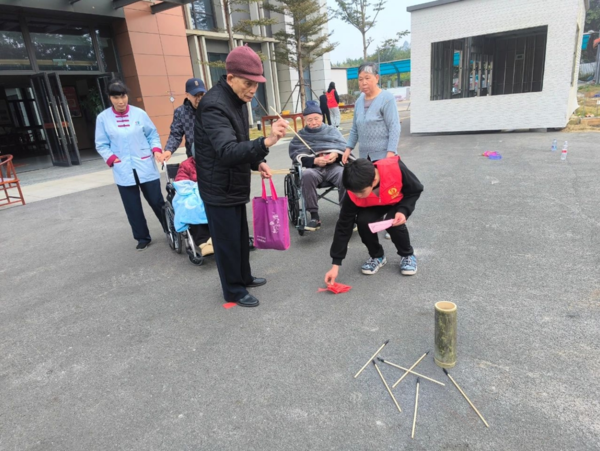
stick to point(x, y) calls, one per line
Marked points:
point(403, 66)
point(389, 68)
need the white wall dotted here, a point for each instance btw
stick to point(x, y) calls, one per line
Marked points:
point(549, 108)
point(340, 78)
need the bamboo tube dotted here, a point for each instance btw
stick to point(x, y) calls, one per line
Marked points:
point(445, 334)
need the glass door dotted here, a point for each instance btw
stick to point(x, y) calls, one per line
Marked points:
point(52, 124)
point(102, 82)
point(66, 122)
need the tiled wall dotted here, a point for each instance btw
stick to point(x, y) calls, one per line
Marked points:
point(156, 62)
point(550, 108)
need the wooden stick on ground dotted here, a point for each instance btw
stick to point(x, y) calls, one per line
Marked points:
point(416, 408)
point(467, 398)
point(387, 386)
point(412, 372)
point(410, 369)
point(372, 357)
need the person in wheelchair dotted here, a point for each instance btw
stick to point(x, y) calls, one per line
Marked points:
point(200, 232)
point(322, 166)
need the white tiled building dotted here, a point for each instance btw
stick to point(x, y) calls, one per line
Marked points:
point(205, 23)
point(494, 65)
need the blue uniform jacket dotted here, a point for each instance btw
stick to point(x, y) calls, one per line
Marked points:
point(132, 138)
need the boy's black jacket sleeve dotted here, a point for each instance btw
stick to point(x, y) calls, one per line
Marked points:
point(411, 190)
point(343, 230)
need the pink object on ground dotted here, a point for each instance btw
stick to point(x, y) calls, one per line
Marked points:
point(336, 288)
point(381, 225)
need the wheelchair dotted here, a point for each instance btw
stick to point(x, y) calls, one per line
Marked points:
point(178, 240)
point(296, 205)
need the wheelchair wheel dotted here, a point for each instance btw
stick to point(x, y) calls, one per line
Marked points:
point(173, 236)
point(291, 192)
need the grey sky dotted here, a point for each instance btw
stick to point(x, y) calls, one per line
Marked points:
point(392, 19)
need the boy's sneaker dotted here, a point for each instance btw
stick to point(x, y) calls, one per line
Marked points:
point(387, 236)
point(408, 265)
point(372, 265)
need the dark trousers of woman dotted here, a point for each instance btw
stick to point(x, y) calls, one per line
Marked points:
point(231, 242)
point(130, 195)
point(399, 234)
point(200, 233)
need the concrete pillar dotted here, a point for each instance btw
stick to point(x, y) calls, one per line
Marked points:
point(156, 62)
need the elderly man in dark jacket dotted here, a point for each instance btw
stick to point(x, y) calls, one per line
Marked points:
point(183, 118)
point(224, 158)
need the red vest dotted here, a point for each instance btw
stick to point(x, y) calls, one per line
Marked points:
point(390, 185)
point(331, 103)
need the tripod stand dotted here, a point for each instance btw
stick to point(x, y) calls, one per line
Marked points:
point(299, 96)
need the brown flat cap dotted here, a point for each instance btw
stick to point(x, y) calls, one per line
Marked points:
point(244, 62)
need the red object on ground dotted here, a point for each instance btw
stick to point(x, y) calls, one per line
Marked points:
point(336, 288)
point(228, 305)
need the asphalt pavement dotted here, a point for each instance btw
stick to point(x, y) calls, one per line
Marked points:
point(106, 348)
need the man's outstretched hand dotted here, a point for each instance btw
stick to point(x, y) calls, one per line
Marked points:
point(278, 130)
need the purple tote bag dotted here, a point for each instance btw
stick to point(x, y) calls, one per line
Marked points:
point(270, 220)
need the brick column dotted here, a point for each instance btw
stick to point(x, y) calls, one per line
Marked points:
point(155, 59)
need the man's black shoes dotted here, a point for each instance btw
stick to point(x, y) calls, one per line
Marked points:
point(248, 301)
point(142, 246)
point(257, 282)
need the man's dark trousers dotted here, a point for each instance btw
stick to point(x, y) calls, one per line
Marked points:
point(398, 234)
point(231, 242)
point(130, 195)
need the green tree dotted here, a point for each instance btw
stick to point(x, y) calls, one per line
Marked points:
point(362, 15)
point(301, 42)
point(592, 19)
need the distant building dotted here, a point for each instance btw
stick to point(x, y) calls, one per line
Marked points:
point(494, 65)
point(56, 57)
point(340, 78)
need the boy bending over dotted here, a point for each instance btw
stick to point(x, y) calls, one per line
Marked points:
point(384, 188)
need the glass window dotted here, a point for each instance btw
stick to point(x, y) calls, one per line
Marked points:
point(62, 47)
point(512, 62)
point(217, 66)
point(13, 53)
point(108, 52)
point(202, 15)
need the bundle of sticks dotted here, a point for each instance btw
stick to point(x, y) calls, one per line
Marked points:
point(420, 377)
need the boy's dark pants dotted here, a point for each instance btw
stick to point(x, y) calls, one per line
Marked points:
point(399, 234)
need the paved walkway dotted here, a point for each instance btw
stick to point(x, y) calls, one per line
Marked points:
point(106, 348)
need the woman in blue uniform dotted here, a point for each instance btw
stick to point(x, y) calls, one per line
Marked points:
point(128, 141)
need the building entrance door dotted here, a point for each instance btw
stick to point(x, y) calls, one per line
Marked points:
point(57, 122)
